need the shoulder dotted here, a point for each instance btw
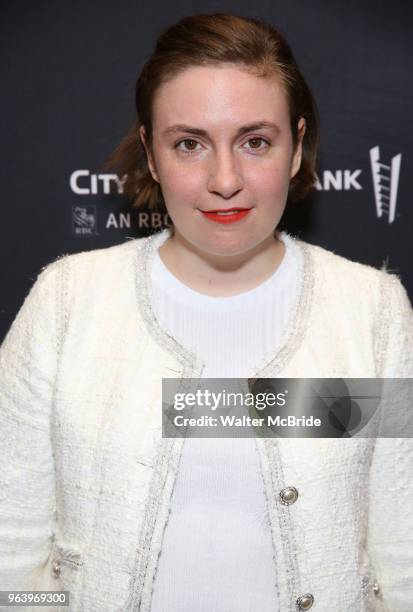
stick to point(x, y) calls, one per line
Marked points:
point(363, 302)
point(96, 265)
point(353, 280)
point(73, 282)
point(102, 257)
point(359, 290)
point(342, 270)
point(340, 280)
point(358, 275)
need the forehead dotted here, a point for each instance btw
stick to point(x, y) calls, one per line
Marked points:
point(221, 94)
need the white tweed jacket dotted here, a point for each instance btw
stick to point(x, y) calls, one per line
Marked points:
point(86, 477)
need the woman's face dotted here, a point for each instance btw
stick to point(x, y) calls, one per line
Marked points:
point(222, 140)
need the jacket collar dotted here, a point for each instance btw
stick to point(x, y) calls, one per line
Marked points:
point(192, 365)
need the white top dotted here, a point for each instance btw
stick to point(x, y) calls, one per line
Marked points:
point(231, 334)
point(225, 560)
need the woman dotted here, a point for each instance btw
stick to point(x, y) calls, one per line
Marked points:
point(95, 500)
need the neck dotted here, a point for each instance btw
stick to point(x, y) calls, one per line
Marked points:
point(221, 276)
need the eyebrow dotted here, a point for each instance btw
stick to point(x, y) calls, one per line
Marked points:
point(179, 127)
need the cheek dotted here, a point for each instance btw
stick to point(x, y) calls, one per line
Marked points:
point(181, 183)
point(268, 179)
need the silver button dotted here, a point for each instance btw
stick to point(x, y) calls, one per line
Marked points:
point(56, 569)
point(288, 495)
point(376, 588)
point(305, 601)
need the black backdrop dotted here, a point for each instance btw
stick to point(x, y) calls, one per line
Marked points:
point(68, 76)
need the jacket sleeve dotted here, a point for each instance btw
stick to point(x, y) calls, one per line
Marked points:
point(390, 528)
point(28, 361)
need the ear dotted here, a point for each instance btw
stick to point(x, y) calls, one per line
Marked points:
point(149, 156)
point(296, 161)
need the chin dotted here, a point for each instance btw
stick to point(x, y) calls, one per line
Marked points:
point(227, 245)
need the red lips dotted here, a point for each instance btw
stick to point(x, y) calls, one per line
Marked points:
point(228, 215)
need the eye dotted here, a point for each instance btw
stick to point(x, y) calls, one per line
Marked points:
point(187, 140)
point(255, 140)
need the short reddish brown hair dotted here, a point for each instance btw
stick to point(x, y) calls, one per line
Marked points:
point(207, 39)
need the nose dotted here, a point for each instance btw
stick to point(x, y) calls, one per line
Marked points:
point(224, 175)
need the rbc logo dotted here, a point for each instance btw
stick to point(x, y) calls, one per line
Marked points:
point(84, 220)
